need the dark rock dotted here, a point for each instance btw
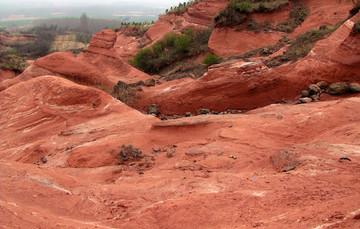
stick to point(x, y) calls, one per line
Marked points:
point(120, 86)
point(43, 159)
point(315, 98)
point(156, 149)
point(357, 216)
point(129, 153)
point(141, 172)
point(305, 100)
point(153, 109)
point(163, 117)
point(203, 111)
point(354, 87)
point(305, 93)
point(170, 154)
point(188, 114)
point(314, 89)
point(323, 27)
point(150, 82)
point(338, 88)
point(322, 84)
point(285, 160)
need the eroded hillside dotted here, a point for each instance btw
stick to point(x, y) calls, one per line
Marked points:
point(184, 153)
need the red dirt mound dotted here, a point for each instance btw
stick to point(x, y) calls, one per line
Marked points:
point(6, 74)
point(226, 42)
point(247, 85)
point(223, 164)
point(99, 66)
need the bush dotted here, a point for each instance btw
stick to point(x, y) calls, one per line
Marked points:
point(211, 59)
point(244, 7)
point(182, 43)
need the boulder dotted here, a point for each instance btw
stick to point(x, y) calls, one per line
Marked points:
point(305, 93)
point(305, 100)
point(338, 88)
point(203, 111)
point(150, 82)
point(322, 84)
point(314, 89)
point(354, 87)
point(153, 109)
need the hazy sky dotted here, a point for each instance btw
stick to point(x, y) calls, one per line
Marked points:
point(61, 3)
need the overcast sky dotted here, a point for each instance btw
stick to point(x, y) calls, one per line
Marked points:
point(61, 3)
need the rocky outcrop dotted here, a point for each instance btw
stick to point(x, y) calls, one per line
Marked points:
point(109, 160)
point(227, 42)
point(246, 85)
point(100, 66)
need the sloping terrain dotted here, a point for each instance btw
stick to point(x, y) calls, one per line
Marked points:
point(247, 85)
point(99, 66)
point(72, 156)
point(224, 168)
point(226, 42)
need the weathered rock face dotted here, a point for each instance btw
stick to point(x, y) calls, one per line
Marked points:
point(84, 135)
point(99, 66)
point(203, 13)
point(246, 85)
point(226, 42)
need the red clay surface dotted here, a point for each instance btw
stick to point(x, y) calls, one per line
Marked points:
point(279, 166)
point(247, 85)
point(226, 42)
point(99, 66)
point(220, 174)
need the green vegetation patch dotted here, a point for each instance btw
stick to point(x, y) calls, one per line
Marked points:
point(237, 11)
point(301, 46)
point(170, 49)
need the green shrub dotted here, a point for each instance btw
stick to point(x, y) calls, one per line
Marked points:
point(182, 43)
point(211, 59)
point(244, 7)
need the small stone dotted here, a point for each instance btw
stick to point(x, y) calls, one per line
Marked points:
point(132, 163)
point(163, 117)
point(305, 93)
point(170, 154)
point(188, 114)
point(43, 159)
point(141, 172)
point(203, 111)
point(354, 87)
point(156, 149)
point(322, 84)
point(289, 168)
point(230, 126)
point(314, 89)
point(338, 88)
point(305, 100)
point(153, 109)
point(150, 82)
point(315, 98)
point(323, 27)
point(280, 117)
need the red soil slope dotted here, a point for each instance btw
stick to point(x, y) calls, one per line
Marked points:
point(99, 66)
point(226, 42)
point(220, 174)
point(6, 74)
point(247, 85)
point(198, 16)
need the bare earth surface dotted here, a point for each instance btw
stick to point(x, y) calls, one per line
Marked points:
point(72, 156)
point(220, 175)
